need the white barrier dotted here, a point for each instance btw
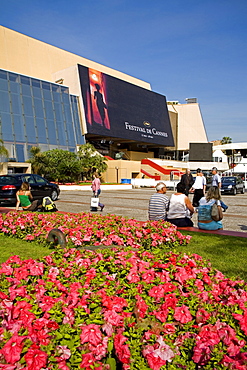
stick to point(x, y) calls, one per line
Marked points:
point(151, 183)
point(88, 187)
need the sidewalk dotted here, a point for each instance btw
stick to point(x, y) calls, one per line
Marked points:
point(133, 203)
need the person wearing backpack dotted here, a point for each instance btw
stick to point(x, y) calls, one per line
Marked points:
point(205, 220)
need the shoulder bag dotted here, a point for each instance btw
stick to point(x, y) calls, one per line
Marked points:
point(215, 212)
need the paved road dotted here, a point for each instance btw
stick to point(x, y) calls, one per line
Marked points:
point(133, 203)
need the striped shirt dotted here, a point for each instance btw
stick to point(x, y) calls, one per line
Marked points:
point(158, 205)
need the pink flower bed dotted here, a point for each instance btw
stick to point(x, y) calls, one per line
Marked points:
point(85, 229)
point(120, 309)
point(141, 307)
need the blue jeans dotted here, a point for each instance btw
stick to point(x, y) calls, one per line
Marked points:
point(223, 205)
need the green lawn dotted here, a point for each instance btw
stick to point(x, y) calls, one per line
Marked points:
point(226, 253)
point(11, 246)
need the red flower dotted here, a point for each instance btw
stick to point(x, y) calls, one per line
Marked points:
point(170, 301)
point(161, 315)
point(21, 273)
point(242, 321)
point(169, 329)
point(154, 362)
point(122, 350)
point(92, 334)
point(88, 360)
point(141, 305)
point(35, 358)
point(20, 307)
point(182, 314)
point(12, 349)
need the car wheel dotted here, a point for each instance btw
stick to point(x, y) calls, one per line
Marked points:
point(234, 191)
point(54, 195)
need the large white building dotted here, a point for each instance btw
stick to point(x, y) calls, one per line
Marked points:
point(53, 98)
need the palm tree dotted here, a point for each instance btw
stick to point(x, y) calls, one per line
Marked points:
point(226, 140)
point(37, 160)
point(3, 151)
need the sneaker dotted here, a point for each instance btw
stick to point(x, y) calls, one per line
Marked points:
point(225, 208)
point(101, 208)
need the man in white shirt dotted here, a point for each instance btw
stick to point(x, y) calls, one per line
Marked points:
point(199, 187)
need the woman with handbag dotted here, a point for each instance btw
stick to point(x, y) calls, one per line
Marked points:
point(96, 189)
point(209, 216)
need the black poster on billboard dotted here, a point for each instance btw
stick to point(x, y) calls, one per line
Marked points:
point(115, 108)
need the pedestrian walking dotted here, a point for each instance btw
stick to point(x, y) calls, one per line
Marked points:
point(96, 190)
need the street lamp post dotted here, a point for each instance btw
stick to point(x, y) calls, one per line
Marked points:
point(116, 168)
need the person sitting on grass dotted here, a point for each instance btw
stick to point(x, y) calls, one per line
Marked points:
point(158, 203)
point(24, 199)
point(205, 220)
point(180, 208)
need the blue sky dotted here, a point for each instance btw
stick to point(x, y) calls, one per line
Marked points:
point(182, 48)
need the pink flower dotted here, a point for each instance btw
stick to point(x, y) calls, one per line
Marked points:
point(100, 350)
point(201, 354)
point(36, 268)
point(182, 314)
point(149, 276)
point(113, 318)
point(92, 334)
point(202, 316)
point(64, 353)
point(62, 365)
point(133, 276)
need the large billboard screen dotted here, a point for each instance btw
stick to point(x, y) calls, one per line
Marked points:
point(116, 108)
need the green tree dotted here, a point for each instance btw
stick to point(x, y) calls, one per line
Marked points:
point(3, 151)
point(91, 161)
point(62, 165)
point(37, 160)
point(226, 140)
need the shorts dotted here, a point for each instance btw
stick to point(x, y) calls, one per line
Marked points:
point(181, 222)
point(213, 225)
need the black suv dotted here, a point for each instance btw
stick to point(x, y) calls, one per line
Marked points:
point(40, 187)
point(232, 185)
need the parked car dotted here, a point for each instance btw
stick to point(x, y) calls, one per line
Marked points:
point(232, 185)
point(40, 187)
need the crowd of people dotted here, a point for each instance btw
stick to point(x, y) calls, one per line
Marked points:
point(179, 209)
